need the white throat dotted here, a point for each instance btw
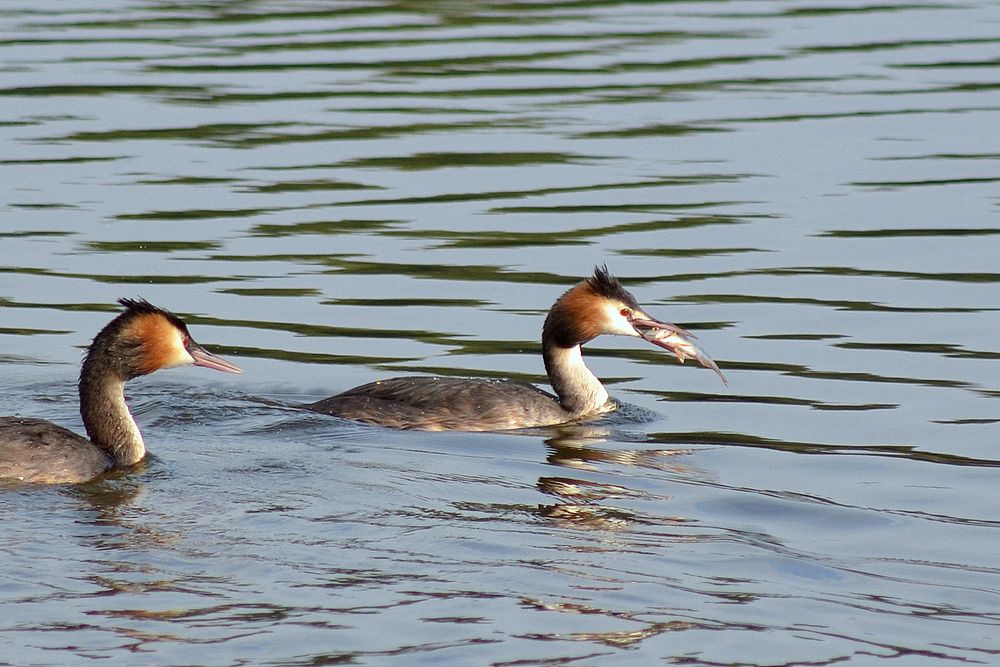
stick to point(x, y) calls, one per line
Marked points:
point(579, 390)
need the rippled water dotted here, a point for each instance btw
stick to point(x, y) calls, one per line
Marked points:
point(330, 193)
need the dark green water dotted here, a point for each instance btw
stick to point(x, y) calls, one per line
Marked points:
point(330, 193)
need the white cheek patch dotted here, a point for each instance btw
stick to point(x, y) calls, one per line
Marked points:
point(617, 324)
point(177, 354)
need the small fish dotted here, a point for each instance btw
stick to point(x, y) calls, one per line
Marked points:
point(677, 340)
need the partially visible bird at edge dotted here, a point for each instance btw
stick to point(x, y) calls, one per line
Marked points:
point(142, 339)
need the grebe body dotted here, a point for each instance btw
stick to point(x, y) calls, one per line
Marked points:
point(139, 341)
point(448, 404)
point(598, 305)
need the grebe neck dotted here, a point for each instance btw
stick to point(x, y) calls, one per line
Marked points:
point(579, 390)
point(105, 415)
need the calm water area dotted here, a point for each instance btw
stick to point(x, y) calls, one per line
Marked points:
point(330, 193)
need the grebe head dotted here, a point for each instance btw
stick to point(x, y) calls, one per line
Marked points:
point(600, 305)
point(146, 338)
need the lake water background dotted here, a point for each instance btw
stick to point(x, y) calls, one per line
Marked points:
point(330, 193)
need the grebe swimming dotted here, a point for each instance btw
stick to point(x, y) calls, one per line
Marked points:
point(139, 341)
point(598, 305)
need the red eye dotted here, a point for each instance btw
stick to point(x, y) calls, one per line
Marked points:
point(625, 312)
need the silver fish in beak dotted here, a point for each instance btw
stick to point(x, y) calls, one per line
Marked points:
point(674, 339)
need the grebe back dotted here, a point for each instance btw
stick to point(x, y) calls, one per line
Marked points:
point(139, 341)
point(598, 305)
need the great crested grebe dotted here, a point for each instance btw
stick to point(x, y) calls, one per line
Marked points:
point(139, 341)
point(598, 305)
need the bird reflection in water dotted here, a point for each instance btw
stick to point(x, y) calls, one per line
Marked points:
point(584, 503)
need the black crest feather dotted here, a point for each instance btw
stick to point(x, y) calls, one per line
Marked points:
point(141, 306)
point(606, 285)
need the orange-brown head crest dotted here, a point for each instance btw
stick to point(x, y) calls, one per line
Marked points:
point(155, 338)
point(580, 314)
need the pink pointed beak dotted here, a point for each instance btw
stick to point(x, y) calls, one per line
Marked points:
point(674, 339)
point(206, 359)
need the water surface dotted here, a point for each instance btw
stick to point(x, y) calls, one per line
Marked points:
point(334, 193)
